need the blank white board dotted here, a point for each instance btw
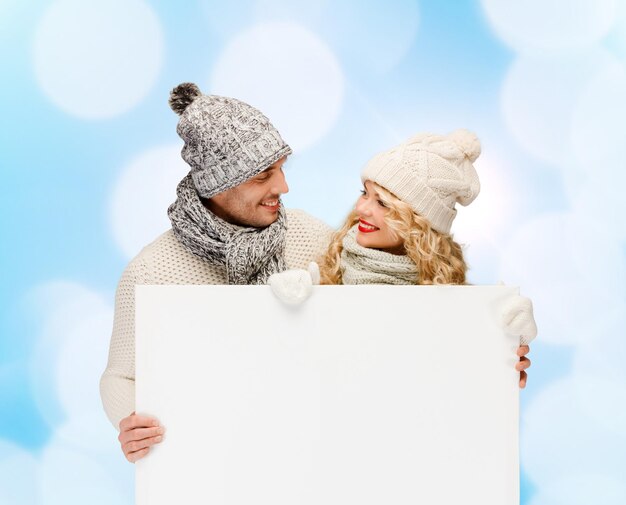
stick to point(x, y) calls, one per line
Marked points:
point(365, 395)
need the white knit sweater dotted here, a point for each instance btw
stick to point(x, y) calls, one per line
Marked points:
point(166, 261)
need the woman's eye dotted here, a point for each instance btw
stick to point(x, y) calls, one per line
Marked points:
point(381, 203)
point(363, 192)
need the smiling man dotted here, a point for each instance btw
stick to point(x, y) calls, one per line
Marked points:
point(228, 227)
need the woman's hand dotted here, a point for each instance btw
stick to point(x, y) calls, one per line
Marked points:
point(518, 319)
point(522, 365)
point(138, 434)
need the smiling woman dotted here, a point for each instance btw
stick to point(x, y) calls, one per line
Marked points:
point(376, 233)
point(390, 232)
point(399, 231)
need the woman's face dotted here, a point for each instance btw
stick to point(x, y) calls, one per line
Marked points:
point(373, 231)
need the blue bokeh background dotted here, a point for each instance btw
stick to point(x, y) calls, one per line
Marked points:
point(90, 160)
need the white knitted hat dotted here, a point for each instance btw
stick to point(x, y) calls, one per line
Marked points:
point(431, 173)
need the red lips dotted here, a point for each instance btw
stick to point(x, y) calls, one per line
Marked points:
point(362, 229)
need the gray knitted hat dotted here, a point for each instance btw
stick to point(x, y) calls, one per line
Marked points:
point(431, 173)
point(226, 141)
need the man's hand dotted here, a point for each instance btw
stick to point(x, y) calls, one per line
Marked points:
point(138, 434)
point(523, 364)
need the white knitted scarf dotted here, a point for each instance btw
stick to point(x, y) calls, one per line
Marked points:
point(361, 265)
point(249, 254)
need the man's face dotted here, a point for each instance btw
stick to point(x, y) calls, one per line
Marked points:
point(255, 202)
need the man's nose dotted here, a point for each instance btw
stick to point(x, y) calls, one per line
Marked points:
point(280, 184)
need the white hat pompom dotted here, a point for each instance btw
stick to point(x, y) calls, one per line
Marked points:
point(467, 142)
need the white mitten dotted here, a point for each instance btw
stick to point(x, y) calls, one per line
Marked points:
point(518, 319)
point(294, 286)
point(314, 270)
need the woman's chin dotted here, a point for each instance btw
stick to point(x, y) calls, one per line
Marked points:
point(364, 241)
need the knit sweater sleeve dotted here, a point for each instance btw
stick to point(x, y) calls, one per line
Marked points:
point(117, 385)
point(308, 239)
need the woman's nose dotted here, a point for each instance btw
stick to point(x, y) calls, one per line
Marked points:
point(362, 207)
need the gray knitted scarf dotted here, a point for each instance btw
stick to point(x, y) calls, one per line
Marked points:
point(361, 265)
point(249, 254)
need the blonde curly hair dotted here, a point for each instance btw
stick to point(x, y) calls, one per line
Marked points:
point(438, 257)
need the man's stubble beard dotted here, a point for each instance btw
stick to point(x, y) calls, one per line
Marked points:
point(241, 213)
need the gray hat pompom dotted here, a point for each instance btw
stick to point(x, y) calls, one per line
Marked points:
point(182, 95)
